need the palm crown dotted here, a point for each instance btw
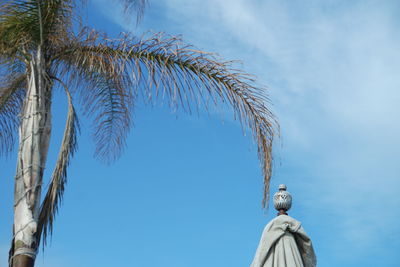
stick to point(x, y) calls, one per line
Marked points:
point(39, 50)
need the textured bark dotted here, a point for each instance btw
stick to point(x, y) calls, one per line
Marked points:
point(23, 261)
point(34, 134)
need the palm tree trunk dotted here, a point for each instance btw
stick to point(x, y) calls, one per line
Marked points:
point(34, 134)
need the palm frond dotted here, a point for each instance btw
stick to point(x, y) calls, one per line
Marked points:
point(57, 19)
point(55, 191)
point(186, 76)
point(12, 93)
point(105, 100)
point(135, 5)
point(106, 97)
point(25, 24)
point(19, 25)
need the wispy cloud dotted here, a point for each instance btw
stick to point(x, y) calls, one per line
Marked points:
point(332, 67)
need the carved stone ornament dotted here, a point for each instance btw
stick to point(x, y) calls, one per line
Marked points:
point(282, 199)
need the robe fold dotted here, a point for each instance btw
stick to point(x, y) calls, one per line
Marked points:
point(284, 243)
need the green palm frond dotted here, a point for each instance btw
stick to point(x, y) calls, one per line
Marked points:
point(186, 76)
point(55, 191)
point(12, 93)
point(19, 22)
point(25, 24)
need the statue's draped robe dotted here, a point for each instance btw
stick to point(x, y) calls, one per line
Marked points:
point(284, 243)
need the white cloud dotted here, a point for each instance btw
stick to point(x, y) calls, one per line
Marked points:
point(333, 71)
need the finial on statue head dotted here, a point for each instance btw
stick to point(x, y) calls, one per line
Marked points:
point(282, 200)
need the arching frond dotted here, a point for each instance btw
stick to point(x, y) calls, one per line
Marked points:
point(105, 96)
point(55, 191)
point(135, 5)
point(12, 93)
point(109, 104)
point(182, 73)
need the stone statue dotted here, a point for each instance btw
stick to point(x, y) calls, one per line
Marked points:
point(284, 243)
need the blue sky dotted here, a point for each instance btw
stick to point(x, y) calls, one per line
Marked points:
point(187, 191)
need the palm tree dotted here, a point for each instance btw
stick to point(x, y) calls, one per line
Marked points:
point(41, 50)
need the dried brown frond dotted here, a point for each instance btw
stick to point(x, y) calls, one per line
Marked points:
point(105, 95)
point(109, 104)
point(186, 76)
point(55, 191)
point(57, 19)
